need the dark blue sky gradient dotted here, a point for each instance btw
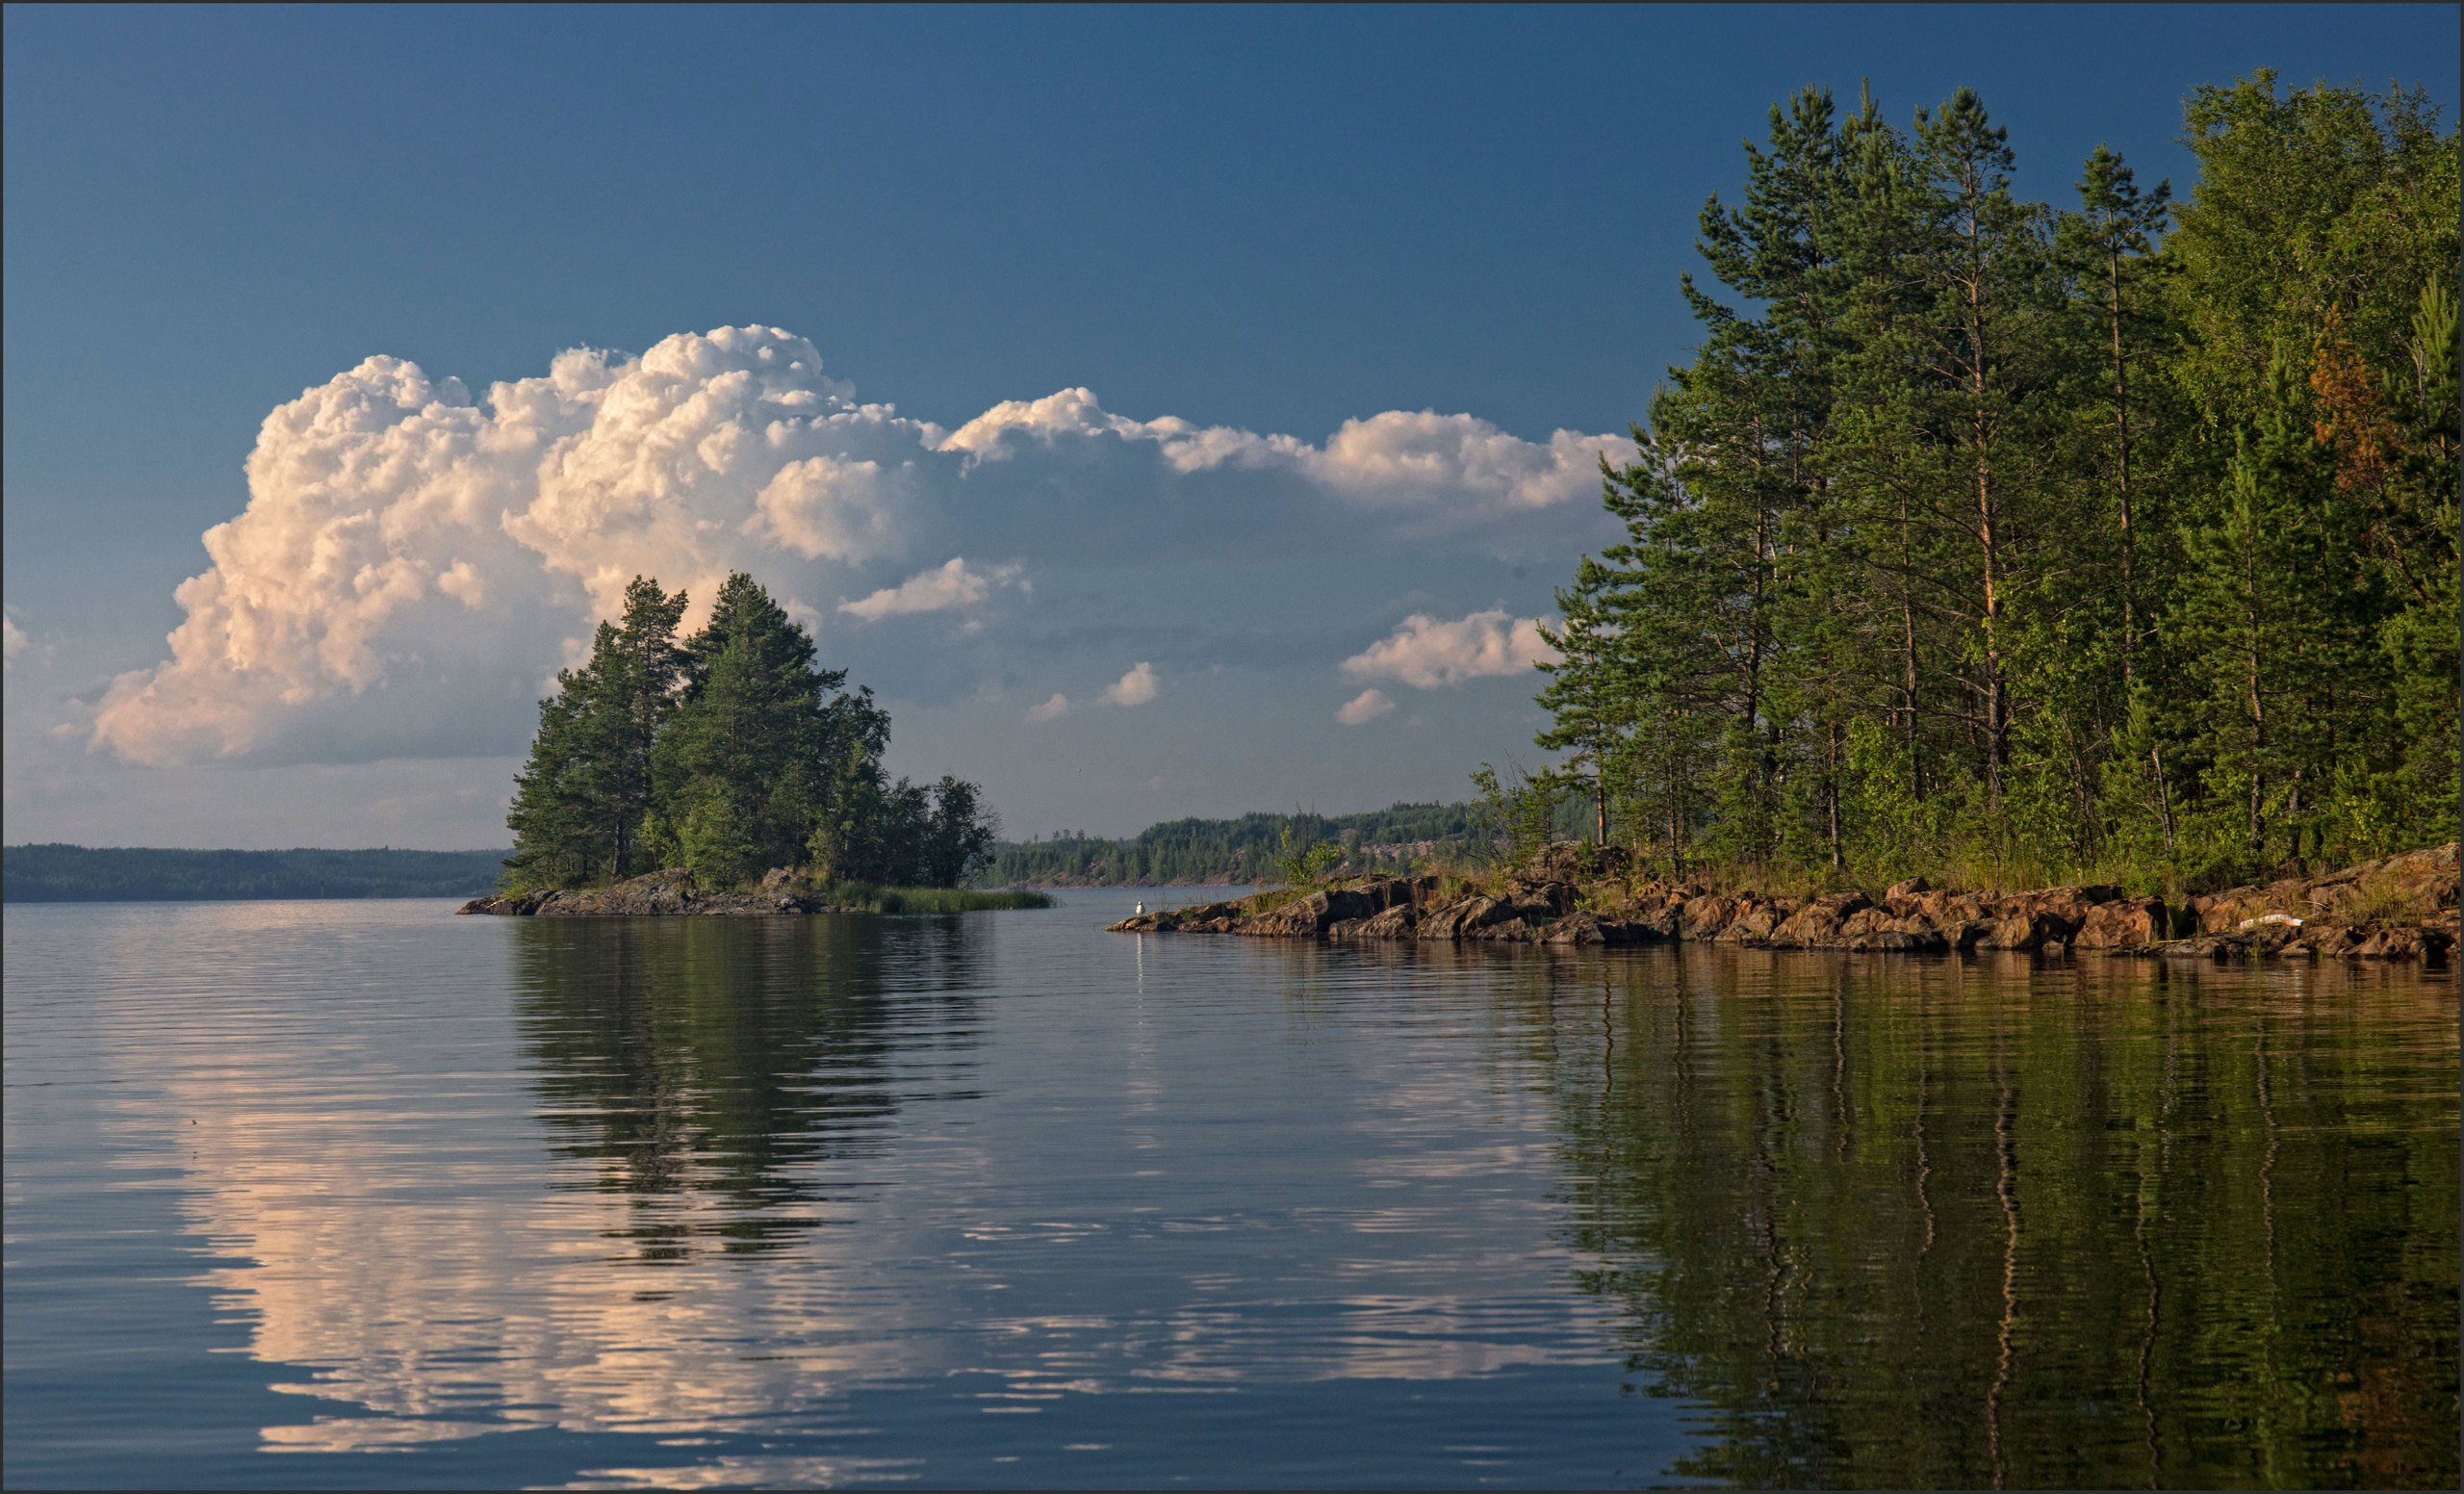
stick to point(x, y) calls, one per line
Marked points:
point(1274, 218)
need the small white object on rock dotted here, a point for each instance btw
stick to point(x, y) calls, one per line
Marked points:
point(2270, 918)
point(1140, 911)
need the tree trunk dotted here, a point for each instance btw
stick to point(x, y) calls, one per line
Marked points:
point(2121, 479)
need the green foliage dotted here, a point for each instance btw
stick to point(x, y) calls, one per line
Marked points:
point(1987, 539)
point(1518, 813)
point(731, 753)
point(1302, 860)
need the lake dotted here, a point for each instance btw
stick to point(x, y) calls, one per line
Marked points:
point(361, 1193)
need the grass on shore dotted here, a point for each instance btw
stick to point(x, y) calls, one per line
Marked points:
point(898, 900)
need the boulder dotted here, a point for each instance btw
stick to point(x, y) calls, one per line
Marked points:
point(1706, 916)
point(2124, 924)
point(2030, 928)
point(2406, 942)
point(1456, 918)
point(1311, 915)
point(1755, 922)
point(1926, 939)
point(1514, 929)
point(1396, 922)
point(1966, 934)
point(2218, 947)
point(1381, 892)
point(1656, 929)
point(512, 904)
point(1913, 888)
point(1817, 924)
point(660, 892)
point(1542, 900)
point(1646, 926)
point(1575, 928)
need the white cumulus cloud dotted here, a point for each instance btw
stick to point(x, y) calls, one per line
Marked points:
point(1134, 688)
point(946, 586)
point(1427, 653)
point(413, 561)
point(1418, 459)
point(1365, 706)
point(13, 638)
point(1058, 706)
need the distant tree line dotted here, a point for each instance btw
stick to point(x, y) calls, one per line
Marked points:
point(1981, 537)
point(75, 874)
point(1243, 850)
point(729, 753)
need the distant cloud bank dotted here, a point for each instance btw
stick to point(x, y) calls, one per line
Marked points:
point(407, 548)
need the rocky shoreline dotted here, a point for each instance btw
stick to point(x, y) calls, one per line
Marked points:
point(2398, 908)
point(659, 894)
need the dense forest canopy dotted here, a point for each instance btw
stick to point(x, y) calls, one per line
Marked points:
point(729, 753)
point(1987, 538)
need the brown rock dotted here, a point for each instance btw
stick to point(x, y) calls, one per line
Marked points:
point(1755, 922)
point(2406, 942)
point(1575, 928)
point(1966, 934)
point(2031, 921)
point(2218, 947)
point(2127, 923)
point(1515, 930)
point(1816, 925)
point(1396, 922)
point(1451, 920)
point(1704, 916)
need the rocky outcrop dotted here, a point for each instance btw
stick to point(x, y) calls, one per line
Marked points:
point(659, 894)
point(2402, 908)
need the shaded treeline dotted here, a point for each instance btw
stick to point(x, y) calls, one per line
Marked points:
point(1241, 850)
point(2007, 542)
point(729, 751)
point(75, 874)
point(1924, 1226)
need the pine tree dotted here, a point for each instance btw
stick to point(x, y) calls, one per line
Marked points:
point(1972, 534)
point(731, 753)
point(1590, 696)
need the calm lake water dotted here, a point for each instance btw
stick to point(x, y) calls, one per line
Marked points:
point(337, 1194)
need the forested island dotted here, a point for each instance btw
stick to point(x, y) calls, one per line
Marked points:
point(674, 775)
point(2011, 545)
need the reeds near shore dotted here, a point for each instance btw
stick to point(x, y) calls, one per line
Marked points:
point(928, 899)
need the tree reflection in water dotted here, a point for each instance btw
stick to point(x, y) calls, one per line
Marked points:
point(1932, 1224)
point(721, 1072)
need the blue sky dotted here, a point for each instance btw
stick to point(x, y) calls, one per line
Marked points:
point(1260, 222)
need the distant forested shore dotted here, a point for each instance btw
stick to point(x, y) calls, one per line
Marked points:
point(57, 874)
point(1246, 849)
